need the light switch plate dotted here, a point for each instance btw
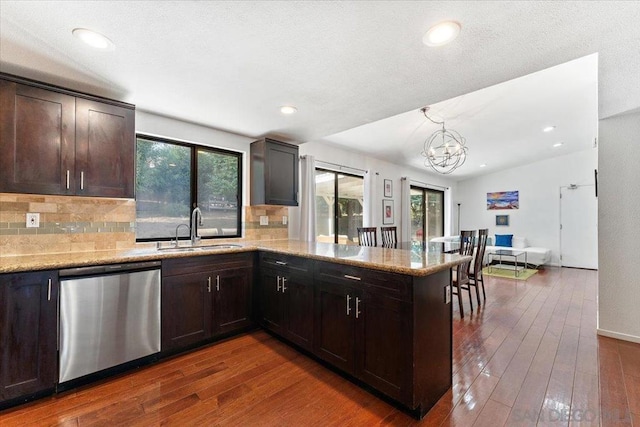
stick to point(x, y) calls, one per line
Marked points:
point(33, 220)
point(264, 220)
point(284, 220)
point(447, 294)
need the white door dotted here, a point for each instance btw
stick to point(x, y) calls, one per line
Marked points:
point(579, 227)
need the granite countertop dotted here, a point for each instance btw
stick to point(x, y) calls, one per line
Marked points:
point(414, 262)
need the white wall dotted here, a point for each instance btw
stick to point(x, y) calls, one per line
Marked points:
point(619, 227)
point(381, 170)
point(538, 218)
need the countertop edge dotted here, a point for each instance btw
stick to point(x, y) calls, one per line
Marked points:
point(136, 255)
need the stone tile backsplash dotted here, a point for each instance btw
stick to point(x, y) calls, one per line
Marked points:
point(67, 224)
point(77, 224)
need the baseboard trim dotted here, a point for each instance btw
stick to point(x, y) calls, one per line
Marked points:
point(618, 336)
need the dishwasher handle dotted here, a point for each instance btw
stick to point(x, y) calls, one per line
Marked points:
point(109, 269)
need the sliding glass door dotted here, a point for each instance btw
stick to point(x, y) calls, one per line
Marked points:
point(427, 214)
point(339, 201)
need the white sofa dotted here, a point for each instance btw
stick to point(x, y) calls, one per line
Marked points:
point(535, 256)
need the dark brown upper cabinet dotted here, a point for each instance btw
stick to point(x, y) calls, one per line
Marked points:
point(54, 141)
point(274, 173)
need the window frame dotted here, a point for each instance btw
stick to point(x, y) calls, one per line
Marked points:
point(193, 182)
point(336, 210)
point(425, 199)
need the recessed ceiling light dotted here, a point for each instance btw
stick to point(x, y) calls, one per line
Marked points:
point(557, 144)
point(548, 129)
point(441, 34)
point(288, 109)
point(94, 39)
point(484, 165)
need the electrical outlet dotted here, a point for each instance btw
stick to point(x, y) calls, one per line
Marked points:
point(33, 220)
point(447, 294)
point(284, 220)
point(264, 220)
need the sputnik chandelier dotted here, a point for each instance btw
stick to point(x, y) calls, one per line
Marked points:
point(445, 149)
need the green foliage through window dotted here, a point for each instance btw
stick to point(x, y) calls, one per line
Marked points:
point(169, 176)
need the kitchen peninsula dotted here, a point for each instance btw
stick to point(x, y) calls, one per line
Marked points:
point(381, 317)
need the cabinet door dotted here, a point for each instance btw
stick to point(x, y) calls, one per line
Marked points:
point(37, 140)
point(297, 291)
point(232, 299)
point(334, 324)
point(383, 344)
point(271, 309)
point(186, 310)
point(28, 333)
point(105, 149)
point(281, 174)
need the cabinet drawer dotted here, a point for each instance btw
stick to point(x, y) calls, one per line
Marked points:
point(206, 263)
point(374, 281)
point(285, 263)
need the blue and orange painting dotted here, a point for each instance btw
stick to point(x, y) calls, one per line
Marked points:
point(503, 200)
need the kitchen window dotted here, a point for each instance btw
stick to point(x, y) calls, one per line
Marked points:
point(339, 205)
point(173, 177)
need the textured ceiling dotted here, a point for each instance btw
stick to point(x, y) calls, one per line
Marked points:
point(231, 65)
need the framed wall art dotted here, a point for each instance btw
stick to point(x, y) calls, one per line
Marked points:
point(387, 212)
point(502, 220)
point(388, 188)
point(503, 200)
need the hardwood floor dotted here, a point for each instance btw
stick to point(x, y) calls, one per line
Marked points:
point(529, 356)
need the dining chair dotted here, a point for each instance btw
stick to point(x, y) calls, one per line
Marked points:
point(475, 273)
point(367, 236)
point(389, 237)
point(460, 279)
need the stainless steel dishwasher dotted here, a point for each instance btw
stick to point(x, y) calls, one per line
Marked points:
point(109, 315)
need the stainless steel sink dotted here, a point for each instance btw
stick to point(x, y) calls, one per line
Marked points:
point(198, 248)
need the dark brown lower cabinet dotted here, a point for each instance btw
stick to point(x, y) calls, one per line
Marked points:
point(232, 299)
point(28, 333)
point(364, 333)
point(186, 310)
point(390, 331)
point(286, 298)
point(203, 297)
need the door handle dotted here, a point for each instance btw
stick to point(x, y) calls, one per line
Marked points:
point(281, 263)
point(67, 179)
point(346, 276)
point(82, 180)
point(49, 290)
point(218, 283)
point(284, 279)
point(209, 284)
point(278, 283)
point(358, 313)
point(348, 304)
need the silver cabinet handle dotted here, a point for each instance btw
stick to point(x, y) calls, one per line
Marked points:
point(209, 284)
point(281, 263)
point(346, 276)
point(218, 283)
point(284, 279)
point(67, 179)
point(348, 304)
point(278, 283)
point(82, 180)
point(358, 313)
point(49, 290)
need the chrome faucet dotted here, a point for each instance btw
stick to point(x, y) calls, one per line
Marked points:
point(177, 243)
point(196, 220)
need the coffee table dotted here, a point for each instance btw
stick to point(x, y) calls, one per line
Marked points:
point(508, 255)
